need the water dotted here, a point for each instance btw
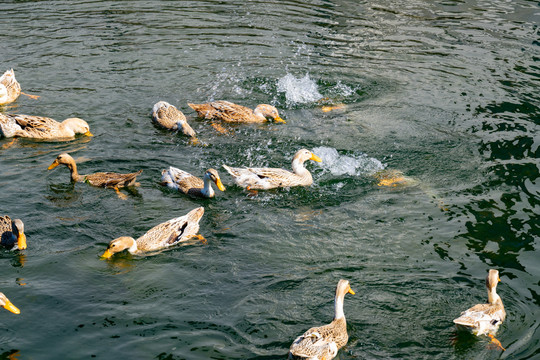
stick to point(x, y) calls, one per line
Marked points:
point(445, 92)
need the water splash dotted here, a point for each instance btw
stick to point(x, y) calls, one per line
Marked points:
point(337, 164)
point(299, 90)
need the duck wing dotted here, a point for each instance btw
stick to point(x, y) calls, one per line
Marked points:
point(36, 126)
point(111, 179)
point(223, 110)
point(171, 232)
point(7, 238)
point(180, 180)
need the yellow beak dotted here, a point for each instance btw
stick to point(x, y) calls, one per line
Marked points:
point(219, 184)
point(107, 254)
point(280, 120)
point(88, 133)
point(351, 291)
point(21, 241)
point(315, 158)
point(53, 165)
point(9, 306)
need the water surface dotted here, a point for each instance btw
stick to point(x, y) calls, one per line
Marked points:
point(445, 92)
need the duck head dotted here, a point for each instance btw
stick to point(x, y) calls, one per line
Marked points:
point(120, 244)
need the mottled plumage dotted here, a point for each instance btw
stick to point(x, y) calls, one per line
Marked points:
point(230, 112)
point(191, 185)
point(12, 233)
point(101, 179)
point(484, 318)
point(169, 117)
point(39, 127)
point(269, 178)
point(8, 305)
point(10, 89)
point(323, 342)
point(160, 236)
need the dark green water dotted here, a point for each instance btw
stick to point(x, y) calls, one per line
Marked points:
point(446, 92)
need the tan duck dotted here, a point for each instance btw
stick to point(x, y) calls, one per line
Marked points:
point(10, 89)
point(39, 127)
point(12, 233)
point(169, 117)
point(269, 178)
point(100, 179)
point(323, 342)
point(191, 185)
point(161, 236)
point(233, 113)
point(8, 305)
point(484, 318)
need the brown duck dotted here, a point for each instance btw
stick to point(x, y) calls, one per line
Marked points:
point(161, 236)
point(12, 233)
point(100, 179)
point(233, 113)
point(323, 342)
point(188, 184)
point(39, 127)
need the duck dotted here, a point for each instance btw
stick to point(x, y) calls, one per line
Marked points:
point(188, 184)
point(159, 237)
point(12, 233)
point(40, 127)
point(100, 179)
point(393, 178)
point(484, 319)
point(269, 178)
point(8, 305)
point(10, 89)
point(233, 113)
point(323, 342)
point(169, 117)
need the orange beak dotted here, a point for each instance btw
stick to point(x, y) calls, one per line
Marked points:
point(219, 184)
point(315, 158)
point(53, 165)
point(21, 241)
point(107, 254)
point(279, 120)
point(10, 307)
point(351, 291)
point(88, 133)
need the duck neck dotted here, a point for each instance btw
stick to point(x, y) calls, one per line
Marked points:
point(259, 115)
point(338, 307)
point(133, 249)
point(207, 190)
point(493, 297)
point(75, 177)
point(299, 169)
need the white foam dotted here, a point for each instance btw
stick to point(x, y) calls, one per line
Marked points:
point(337, 164)
point(299, 90)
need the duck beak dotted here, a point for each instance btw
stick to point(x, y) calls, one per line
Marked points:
point(219, 184)
point(88, 133)
point(53, 165)
point(10, 307)
point(279, 120)
point(315, 158)
point(21, 241)
point(107, 254)
point(498, 278)
point(351, 291)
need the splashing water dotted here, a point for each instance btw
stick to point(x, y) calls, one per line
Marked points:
point(347, 165)
point(299, 90)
